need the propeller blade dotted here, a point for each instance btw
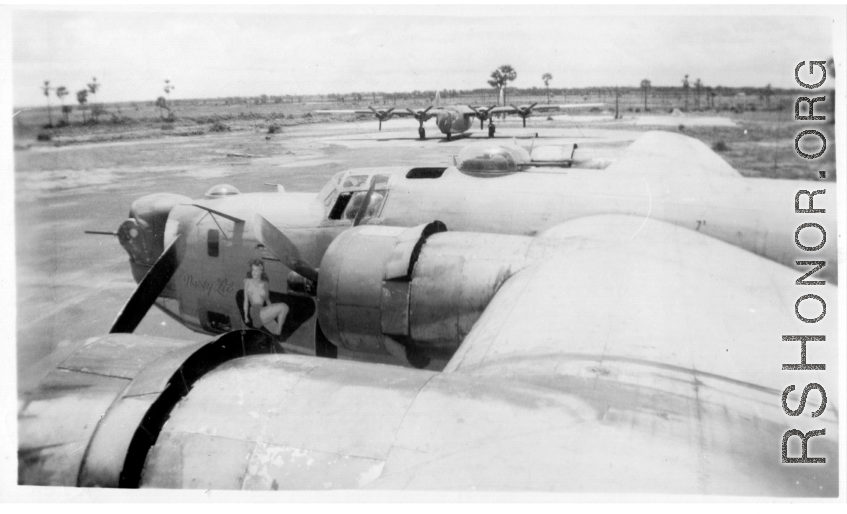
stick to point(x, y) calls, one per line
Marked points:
point(427, 109)
point(364, 207)
point(471, 107)
point(282, 247)
point(102, 232)
point(150, 287)
point(531, 106)
point(380, 124)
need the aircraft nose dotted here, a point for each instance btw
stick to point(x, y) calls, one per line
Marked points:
point(444, 121)
point(134, 236)
point(142, 233)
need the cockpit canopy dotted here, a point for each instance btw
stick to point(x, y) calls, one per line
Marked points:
point(491, 158)
point(221, 190)
point(345, 193)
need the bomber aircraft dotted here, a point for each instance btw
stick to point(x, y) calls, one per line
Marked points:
point(455, 120)
point(614, 330)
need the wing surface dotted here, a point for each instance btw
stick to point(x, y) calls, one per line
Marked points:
point(635, 357)
point(665, 153)
point(344, 111)
point(559, 107)
point(507, 109)
point(398, 111)
point(626, 288)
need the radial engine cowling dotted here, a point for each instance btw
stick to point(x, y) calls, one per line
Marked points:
point(142, 234)
point(421, 288)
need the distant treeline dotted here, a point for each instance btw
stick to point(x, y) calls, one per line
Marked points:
point(604, 93)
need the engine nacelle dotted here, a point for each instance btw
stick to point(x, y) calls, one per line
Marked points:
point(142, 234)
point(421, 288)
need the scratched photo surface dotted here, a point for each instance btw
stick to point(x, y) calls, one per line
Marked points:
point(478, 250)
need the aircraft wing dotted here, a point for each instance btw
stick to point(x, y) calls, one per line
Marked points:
point(344, 111)
point(398, 111)
point(671, 342)
point(507, 109)
point(633, 356)
point(560, 107)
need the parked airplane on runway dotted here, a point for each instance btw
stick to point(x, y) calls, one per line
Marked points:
point(200, 248)
point(457, 119)
point(604, 332)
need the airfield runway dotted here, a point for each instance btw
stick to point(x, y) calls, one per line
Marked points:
point(71, 285)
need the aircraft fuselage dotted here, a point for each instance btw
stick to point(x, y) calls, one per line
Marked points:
point(206, 294)
point(452, 121)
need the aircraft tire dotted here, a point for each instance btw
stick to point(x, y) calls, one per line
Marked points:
point(417, 358)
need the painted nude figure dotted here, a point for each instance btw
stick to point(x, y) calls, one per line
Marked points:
point(258, 309)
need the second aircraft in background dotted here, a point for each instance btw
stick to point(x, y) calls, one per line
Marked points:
point(457, 119)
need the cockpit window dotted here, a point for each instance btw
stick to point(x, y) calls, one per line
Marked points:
point(381, 180)
point(331, 186)
point(374, 206)
point(340, 205)
point(356, 181)
point(346, 204)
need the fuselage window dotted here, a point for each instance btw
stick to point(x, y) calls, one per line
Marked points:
point(425, 172)
point(213, 243)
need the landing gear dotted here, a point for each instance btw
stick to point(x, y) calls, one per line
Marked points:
point(422, 133)
point(448, 137)
point(417, 358)
point(491, 129)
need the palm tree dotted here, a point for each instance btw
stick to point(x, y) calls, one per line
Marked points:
point(501, 77)
point(92, 88)
point(547, 78)
point(46, 88)
point(686, 87)
point(82, 98)
point(168, 88)
point(645, 86)
point(62, 92)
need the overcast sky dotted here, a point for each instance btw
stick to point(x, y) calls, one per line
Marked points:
point(337, 50)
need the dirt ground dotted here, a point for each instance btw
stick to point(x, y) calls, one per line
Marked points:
point(71, 285)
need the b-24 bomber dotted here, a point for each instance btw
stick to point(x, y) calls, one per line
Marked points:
point(579, 326)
